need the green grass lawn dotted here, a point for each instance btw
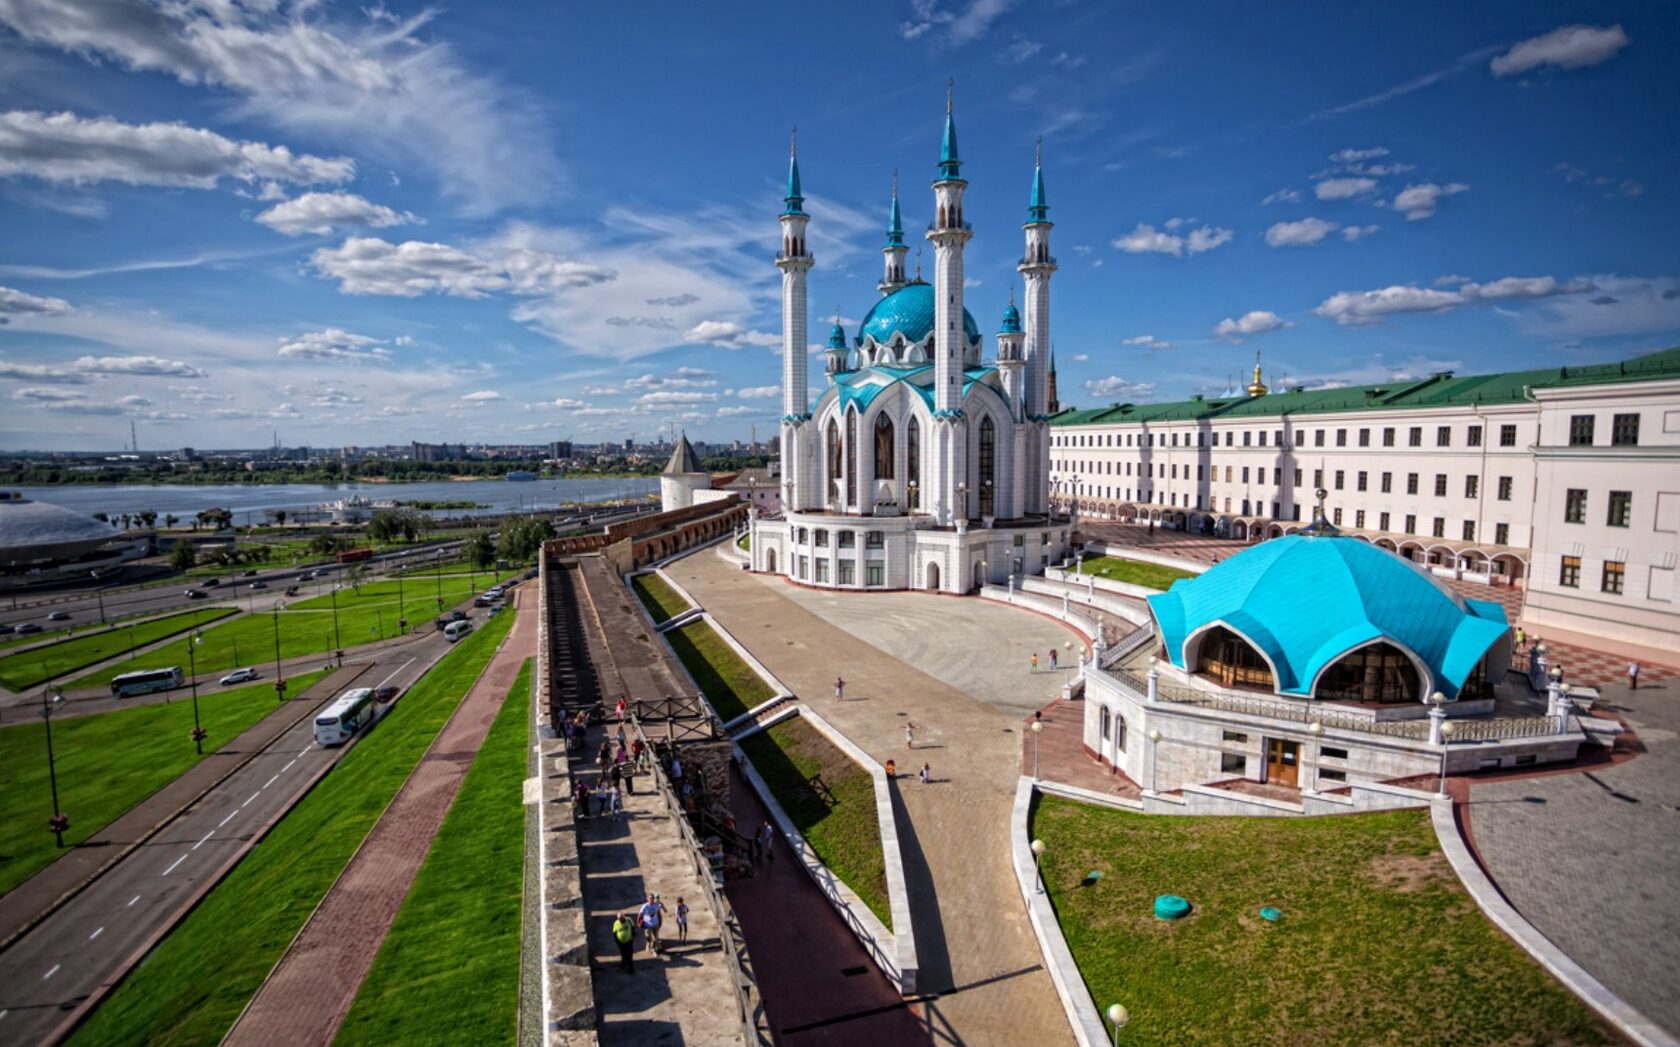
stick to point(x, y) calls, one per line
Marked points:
point(831, 801)
point(1378, 942)
point(107, 763)
point(658, 597)
point(81, 627)
point(727, 682)
point(195, 983)
point(448, 972)
point(306, 626)
point(28, 668)
point(1134, 572)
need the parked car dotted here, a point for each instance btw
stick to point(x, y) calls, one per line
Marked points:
point(27, 627)
point(441, 623)
point(385, 694)
point(259, 584)
point(498, 607)
point(59, 616)
point(196, 594)
point(291, 590)
point(249, 574)
point(239, 676)
point(482, 601)
point(211, 583)
point(457, 616)
point(4, 628)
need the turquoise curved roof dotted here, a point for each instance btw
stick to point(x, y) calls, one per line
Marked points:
point(1304, 601)
point(908, 310)
point(862, 387)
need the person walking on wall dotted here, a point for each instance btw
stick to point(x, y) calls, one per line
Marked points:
point(926, 774)
point(1633, 676)
point(1035, 661)
point(1052, 659)
point(624, 933)
point(839, 689)
point(909, 735)
point(682, 920)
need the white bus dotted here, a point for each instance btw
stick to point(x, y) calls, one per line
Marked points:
point(146, 681)
point(348, 714)
point(455, 630)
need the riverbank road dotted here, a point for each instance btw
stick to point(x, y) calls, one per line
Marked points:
point(61, 968)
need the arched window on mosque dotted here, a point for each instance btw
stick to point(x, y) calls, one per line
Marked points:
point(885, 451)
point(851, 458)
point(988, 467)
point(1376, 673)
point(913, 462)
point(833, 456)
point(1232, 660)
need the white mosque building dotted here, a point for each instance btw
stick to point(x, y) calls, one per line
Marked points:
point(921, 465)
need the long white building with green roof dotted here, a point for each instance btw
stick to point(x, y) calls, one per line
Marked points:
point(1562, 481)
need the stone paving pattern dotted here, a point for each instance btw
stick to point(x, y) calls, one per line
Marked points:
point(1590, 857)
point(940, 663)
point(306, 996)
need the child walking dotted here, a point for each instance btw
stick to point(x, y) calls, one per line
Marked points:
point(682, 920)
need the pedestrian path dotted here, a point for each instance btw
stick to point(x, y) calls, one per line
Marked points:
point(306, 996)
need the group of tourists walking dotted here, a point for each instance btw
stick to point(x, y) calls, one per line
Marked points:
point(650, 919)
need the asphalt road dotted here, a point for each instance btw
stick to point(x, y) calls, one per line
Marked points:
point(91, 941)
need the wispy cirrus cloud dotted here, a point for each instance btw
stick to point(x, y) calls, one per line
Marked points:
point(1571, 47)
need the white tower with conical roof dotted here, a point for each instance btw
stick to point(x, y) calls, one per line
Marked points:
point(950, 233)
point(1035, 267)
point(799, 485)
point(892, 254)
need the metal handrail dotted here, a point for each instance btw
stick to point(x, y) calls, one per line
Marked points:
point(1127, 646)
point(732, 949)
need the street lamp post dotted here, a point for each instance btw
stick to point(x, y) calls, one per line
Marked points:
point(338, 644)
point(1038, 873)
point(1037, 729)
point(1118, 1016)
point(279, 673)
point(1315, 729)
point(192, 667)
point(1154, 744)
point(59, 822)
point(99, 591)
point(1446, 735)
point(402, 609)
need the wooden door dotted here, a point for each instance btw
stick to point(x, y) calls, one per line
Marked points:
point(1283, 760)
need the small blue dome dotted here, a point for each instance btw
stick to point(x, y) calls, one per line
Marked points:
point(837, 337)
point(1011, 321)
point(909, 311)
point(1303, 601)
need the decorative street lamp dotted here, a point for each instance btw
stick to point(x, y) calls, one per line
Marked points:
point(1038, 874)
point(279, 674)
point(1118, 1016)
point(198, 731)
point(59, 822)
point(1154, 744)
point(338, 645)
point(1446, 734)
point(1037, 729)
point(99, 591)
point(1315, 729)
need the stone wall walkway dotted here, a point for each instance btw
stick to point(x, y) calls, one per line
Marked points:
point(306, 996)
point(981, 975)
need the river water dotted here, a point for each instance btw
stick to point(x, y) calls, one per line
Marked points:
point(247, 502)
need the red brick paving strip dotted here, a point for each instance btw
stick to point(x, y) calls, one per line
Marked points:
point(306, 996)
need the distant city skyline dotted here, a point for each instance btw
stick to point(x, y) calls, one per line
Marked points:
point(486, 224)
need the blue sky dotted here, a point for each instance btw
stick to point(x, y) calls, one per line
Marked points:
point(362, 224)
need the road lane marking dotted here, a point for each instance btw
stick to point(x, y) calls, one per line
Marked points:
point(254, 795)
point(394, 672)
point(131, 902)
point(224, 821)
point(172, 865)
point(96, 934)
point(288, 767)
point(305, 750)
point(270, 782)
point(200, 843)
point(52, 972)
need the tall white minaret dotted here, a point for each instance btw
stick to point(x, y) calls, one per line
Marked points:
point(949, 235)
point(892, 271)
point(1036, 267)
point(798, 489)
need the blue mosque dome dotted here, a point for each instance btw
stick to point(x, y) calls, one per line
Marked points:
point(1305, 601)
point(909, 311)
point(1011, 319)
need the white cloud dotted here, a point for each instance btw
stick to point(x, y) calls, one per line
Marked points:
point(739, 411)
point(665, 398)
point(1571, 47)
point(1258, 321)
point(759, 392)
point(1419, 201)
point(1621, 306)
point(146, 366)
point(41, 373)
point(1355, 233)
point(1115, 386)
point(321, 213)
point(1344, 188)
point(331, 398)
point(973, 20)
point(1148, 341)
point(377, 86)
point(1525, 287)
point(64, 147)
point(682, 378)
point(728, 334)
point(483, 396)
point(1450, 279)
point(1146, 239)
point(1611, 186)
point(1303, 233)
point(40, 393)
point(334, 344)
point(1369, 307)
point(369, 265)
point(1020, 50)
point(1285, 195)
point(19, 303)
point(1080, 358)
point(1354, 156)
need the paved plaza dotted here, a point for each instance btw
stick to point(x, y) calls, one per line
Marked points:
point(980, 965)
point(1590, 858)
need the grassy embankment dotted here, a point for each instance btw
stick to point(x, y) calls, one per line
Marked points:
point(106, 764)
point(306, 626)
point(25, 669)
point(448, 971)
point(658, 597)
point(194, 984)
point(1377, 943)
point(829, 797)
point(1134, 572)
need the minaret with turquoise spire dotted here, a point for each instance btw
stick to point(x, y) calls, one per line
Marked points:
point(1035, 267)
point(892, 276)
point(798, 488)
point(838, 352)
point(950, 232)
